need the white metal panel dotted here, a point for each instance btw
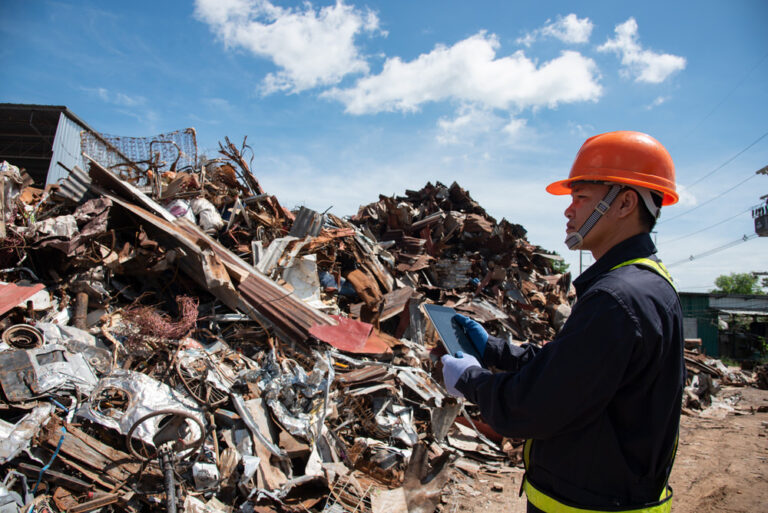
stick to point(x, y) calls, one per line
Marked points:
point(690, 329)
point(66, 149)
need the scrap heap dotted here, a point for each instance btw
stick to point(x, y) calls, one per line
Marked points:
point(176, 338)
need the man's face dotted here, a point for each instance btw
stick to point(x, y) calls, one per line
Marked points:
point(584, 198)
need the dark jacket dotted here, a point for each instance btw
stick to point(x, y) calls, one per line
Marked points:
point(602, 400)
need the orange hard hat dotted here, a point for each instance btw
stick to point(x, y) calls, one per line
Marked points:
point(624, 157)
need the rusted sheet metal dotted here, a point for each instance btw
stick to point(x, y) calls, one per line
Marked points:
point(102, 176)
point(365, 287)
point(290, 315)
point(395, 302)
point(370, 373)
point(11, 295)
point(202, 263)
point(453, 273)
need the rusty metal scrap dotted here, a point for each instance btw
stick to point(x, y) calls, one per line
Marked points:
point(167, 320)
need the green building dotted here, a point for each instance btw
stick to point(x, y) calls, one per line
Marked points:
point(712, 317)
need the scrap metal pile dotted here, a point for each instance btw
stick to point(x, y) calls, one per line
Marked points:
point(178, 340)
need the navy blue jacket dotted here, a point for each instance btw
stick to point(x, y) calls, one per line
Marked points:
point(602, 400)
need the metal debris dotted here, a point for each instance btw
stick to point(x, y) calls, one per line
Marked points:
point(172, 336)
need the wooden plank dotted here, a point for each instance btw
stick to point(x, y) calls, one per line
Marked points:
point(79, 446)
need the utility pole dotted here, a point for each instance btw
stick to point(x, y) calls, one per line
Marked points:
point(760, 214)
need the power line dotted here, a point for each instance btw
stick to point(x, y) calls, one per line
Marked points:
point(707, 228)
point(736, 242)
point(744, 79)
point(721, 166)
point(710, 200)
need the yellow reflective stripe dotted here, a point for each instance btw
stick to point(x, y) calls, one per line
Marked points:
point(546, 503)
point(660, 269)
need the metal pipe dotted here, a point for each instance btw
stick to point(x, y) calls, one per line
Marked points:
point(81, 310)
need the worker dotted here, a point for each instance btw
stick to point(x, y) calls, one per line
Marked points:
point(600, 404)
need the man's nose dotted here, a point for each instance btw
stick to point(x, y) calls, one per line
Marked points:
point(569, 212)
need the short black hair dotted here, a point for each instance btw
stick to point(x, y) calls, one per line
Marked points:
point(646, 218)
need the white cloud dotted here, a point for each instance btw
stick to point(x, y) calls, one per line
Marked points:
point(687, 198)
point(128, 101)
point(644, 65)
point(469, 71)
point(583, 131)
point(515, 128)
point(569, 29)
point(311, 47)
point(218, 104)
point(116, 98)
point(656, 102)
point(474, 124)
point(471, 122)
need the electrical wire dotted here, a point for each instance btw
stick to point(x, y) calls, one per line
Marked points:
point(710, 200)
point(736, 242)
point(744, 79)
point(672, 241)
point(721, 166)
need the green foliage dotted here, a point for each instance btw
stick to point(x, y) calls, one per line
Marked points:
point(737, 283)
point(560, 266)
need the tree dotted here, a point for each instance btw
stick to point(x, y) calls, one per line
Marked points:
point(560, 266)
point(737, 283)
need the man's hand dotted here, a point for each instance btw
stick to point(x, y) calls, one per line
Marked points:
point(474, 331)
point(454, 367)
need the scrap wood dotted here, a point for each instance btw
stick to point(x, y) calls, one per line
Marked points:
point(96, 503)
point(696, 363)
point(59, 478)
point(109, 463)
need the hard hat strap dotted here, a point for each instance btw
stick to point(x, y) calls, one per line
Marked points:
point(574, 239)
point(645, 195)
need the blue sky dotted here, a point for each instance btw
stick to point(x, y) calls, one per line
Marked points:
point(345, 101)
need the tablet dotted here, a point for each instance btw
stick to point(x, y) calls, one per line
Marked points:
point(451, 334)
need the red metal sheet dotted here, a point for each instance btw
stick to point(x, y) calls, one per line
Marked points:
point(351, 336)
point(11, 294)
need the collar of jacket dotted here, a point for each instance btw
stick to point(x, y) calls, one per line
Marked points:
point(637, 246)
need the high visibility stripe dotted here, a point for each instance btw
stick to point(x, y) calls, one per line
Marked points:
point(546, 503)
point(653, 265)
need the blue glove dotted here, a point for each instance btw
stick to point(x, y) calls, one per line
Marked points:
point(474, 331)
point(454, 367)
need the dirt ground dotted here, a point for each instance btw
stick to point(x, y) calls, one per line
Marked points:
point(721, 465)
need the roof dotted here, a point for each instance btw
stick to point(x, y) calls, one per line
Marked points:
point(742, 312)
point(27, 134)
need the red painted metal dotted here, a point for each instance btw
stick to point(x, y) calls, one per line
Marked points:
point(12, 295)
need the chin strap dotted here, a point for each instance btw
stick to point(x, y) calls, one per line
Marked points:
point(574, 239)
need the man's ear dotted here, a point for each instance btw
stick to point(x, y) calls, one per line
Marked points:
point(628, 202)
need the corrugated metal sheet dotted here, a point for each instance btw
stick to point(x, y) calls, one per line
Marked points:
point(307, 222)
point(66, 149)
point(289, 314)
point(76, 186)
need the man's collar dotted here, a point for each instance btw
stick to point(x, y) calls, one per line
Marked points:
point(637, 246)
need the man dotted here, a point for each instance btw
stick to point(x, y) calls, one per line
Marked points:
point(600, 404)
